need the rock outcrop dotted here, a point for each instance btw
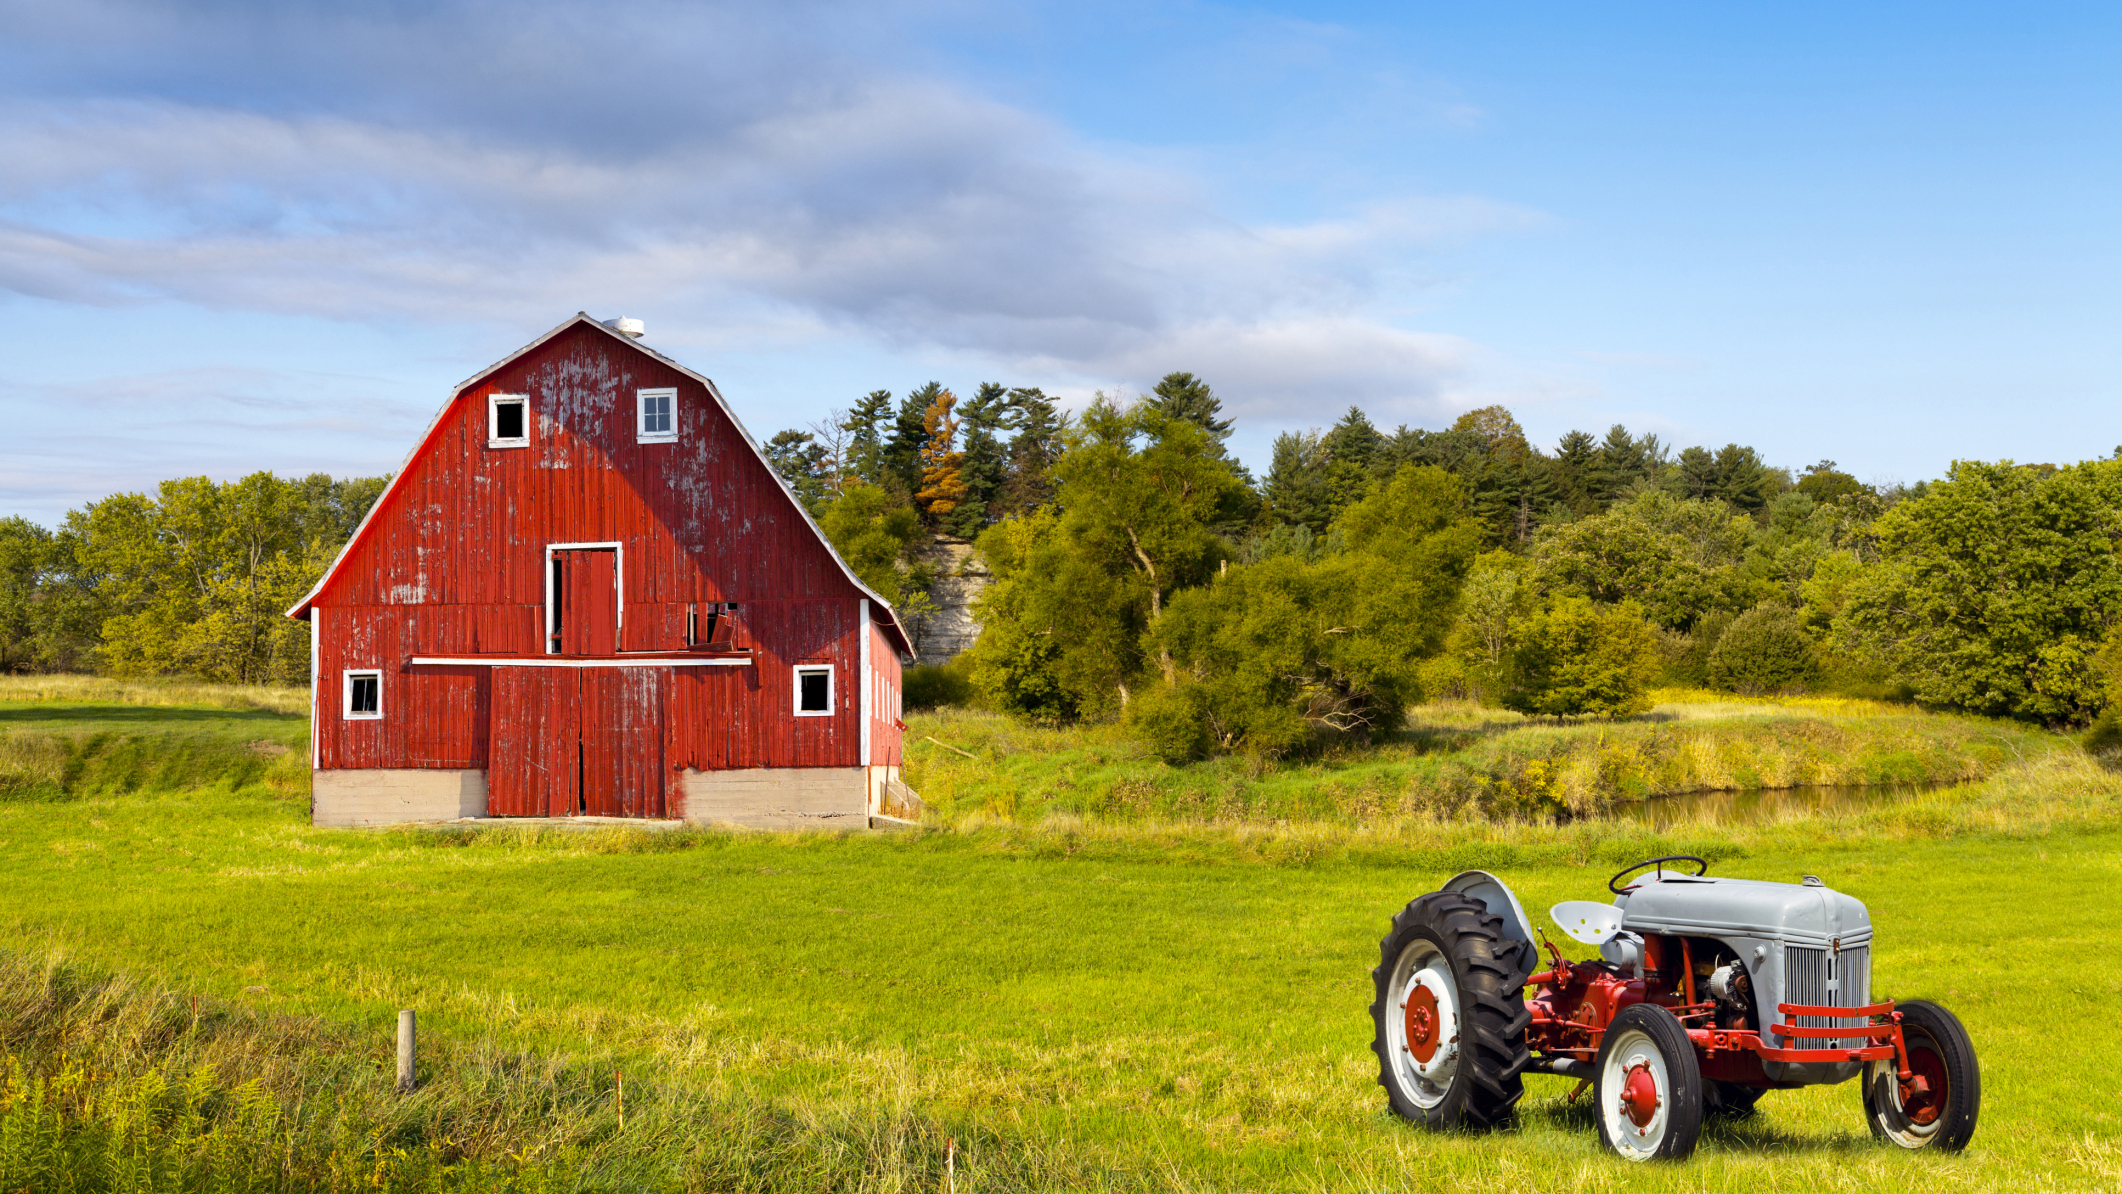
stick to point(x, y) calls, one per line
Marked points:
point(960, 578)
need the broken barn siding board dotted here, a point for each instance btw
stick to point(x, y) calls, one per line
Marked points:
point(452, 565)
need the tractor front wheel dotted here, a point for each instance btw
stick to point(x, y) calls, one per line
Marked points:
point(1648, 1087)
point(1938, 1106)
point(1449, 1020)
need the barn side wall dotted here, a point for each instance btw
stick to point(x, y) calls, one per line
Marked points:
point(885, 680)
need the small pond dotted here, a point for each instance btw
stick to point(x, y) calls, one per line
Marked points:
point(1755, 805)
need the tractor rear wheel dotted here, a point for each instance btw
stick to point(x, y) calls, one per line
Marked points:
point(1449, 1019)
point(1648, 1086)
point(1941, 1112)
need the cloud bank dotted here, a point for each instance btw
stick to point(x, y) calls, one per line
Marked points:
point(799, 164)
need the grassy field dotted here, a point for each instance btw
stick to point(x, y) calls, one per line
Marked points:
point(1453, 760)
point(1079, 1001)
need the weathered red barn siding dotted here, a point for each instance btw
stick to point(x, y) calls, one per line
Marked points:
point(454, 563)
point(884, 679)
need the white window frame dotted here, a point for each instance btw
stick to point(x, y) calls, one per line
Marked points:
point(493, 421)
point(796, 675)
point(346, 694)
point(618, 551)
point(642, 435)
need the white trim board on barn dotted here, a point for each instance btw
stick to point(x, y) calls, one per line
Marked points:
point(622, 661)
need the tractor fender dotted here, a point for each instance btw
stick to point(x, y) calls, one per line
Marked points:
point(1496, 896)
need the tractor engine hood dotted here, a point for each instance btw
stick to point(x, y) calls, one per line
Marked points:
point(1799, 914)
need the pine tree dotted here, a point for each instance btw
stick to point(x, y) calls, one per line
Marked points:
point(1351, 451)
point(1297, 482)
point(986, 467)
point(1623, 461)
point(1184, 396)
point(1032, 451)
point(801, 461)
point(909, 435)
point(1576, 462)
point(865, 437)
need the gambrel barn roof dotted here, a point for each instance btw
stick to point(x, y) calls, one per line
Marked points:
point(393, 492)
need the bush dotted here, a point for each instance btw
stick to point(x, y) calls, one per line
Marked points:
point(1172, 722)
point(2103, 739)
point(1576, 657)
point(1691, 669)
point(1765, 649)
point(931, 685)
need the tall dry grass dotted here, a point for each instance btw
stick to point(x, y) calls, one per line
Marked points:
point(273, 698)
point(1460, 760)
point(108, 1083)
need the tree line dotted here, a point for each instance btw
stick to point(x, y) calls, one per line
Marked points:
point(1142, 573)
point(192, 579)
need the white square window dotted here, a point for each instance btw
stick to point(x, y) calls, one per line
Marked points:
point(362, 698)
point(656, 420)
point(814, 690)
point(508, 420)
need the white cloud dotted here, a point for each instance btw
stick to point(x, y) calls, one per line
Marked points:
point(69, 444)
point(511, 164)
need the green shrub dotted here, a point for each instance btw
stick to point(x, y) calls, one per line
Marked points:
point(2103, 739)
point(1172, 722)
point(1765, 649)
point(1576, 657)
point(933, 685)
point(1691, 669)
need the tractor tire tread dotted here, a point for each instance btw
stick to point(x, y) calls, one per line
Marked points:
point(1489, 970)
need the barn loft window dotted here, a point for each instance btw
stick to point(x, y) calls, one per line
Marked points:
point(814, 690)
point(364, 696)
point(507, 421)
point(658, 416)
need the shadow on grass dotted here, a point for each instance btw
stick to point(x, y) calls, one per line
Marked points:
point(1753, 1133)
point(137, 714)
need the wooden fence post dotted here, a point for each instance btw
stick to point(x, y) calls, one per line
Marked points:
point(405, 1051)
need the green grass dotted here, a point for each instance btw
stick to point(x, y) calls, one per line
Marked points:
point(69, 736)
point(1080, 1002)
point(1455, 760)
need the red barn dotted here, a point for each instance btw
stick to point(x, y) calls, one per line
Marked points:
point(587, 593)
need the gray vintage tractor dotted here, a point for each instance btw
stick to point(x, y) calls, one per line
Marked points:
point(1706, 992)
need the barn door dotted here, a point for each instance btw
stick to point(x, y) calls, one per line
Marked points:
point(622, 741)
point(534, 764)
point(584, 619)
point(569, 741)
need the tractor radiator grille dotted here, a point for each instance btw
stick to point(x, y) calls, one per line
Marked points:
point(1821, 979)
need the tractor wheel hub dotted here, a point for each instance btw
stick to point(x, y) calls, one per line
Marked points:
point(1639, 1096)
point(1922, 1096)
point(1422, 1023)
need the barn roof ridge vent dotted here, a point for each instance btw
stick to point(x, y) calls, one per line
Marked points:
point(627, 326)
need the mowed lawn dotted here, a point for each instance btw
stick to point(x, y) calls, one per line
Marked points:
point(1202, 1019)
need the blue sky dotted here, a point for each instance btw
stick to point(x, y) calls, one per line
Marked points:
point(239, 236)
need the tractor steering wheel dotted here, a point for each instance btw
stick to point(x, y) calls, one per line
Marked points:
point(1701, 868)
